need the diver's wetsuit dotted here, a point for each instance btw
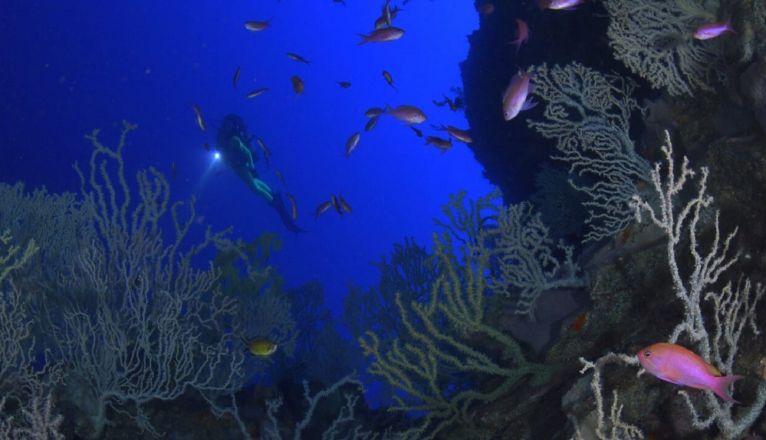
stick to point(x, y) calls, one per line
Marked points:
point(234, 146)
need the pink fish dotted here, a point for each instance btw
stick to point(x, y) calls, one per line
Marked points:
point(515, 96)
point(522, 34)
point(712, 30)
point(675, 364)
point(558, 5)
point(382, 35)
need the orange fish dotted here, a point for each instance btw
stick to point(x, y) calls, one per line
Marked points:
point(461, 135)
point(409, 114)
point(256, 25)
point(297, 84)
point(265, 149)
point(198, 116)
point(579, 322)
point(382, 35)
point(676, 364)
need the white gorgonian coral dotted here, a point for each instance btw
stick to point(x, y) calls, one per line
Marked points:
point(588, 114)
point(654, 39)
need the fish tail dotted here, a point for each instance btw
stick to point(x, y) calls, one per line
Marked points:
point(365, 39)
point(517, 42)
point(720, 386)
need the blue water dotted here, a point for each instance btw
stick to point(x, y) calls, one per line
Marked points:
point(90, 64)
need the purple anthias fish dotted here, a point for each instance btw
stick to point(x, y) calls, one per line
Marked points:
point(712, 30)
point(560, 4)
point(676, 364)
point(515, 96)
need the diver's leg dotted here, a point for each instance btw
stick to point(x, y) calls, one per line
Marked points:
point(263, 188)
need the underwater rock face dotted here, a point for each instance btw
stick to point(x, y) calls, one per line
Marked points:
point(509, 152)
point(752, 86)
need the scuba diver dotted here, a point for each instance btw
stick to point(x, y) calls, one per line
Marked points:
point(234, 146)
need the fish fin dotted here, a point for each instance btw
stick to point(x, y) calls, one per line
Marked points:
point(518, 42)
point(720, 386)
point(365, 39)
point(529, 104)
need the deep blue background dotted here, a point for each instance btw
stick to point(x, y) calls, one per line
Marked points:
point(69, 67)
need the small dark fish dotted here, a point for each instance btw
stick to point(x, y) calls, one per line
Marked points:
point(235, 79)
point(374, 112)
point(322, 208)
point(206, 146)
point(352, 143)
point(389, 79)
point(298, 58)
point(386, 13)
point(485, 9)
point(335, 204)
point(342, 2)
point(371, 123)
point(380, 22)
point(442, 103)
point(173, 173)
point(257, 25)
point(417, 131)
point(344, 204)
point(387, 16)
point(344, 84)
point(265, 149)
point(198, 117)
point(440, 143)
point(280, 177)
point(297, 84)
point(455, 104)
point(257, 92)
point(293, 206)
